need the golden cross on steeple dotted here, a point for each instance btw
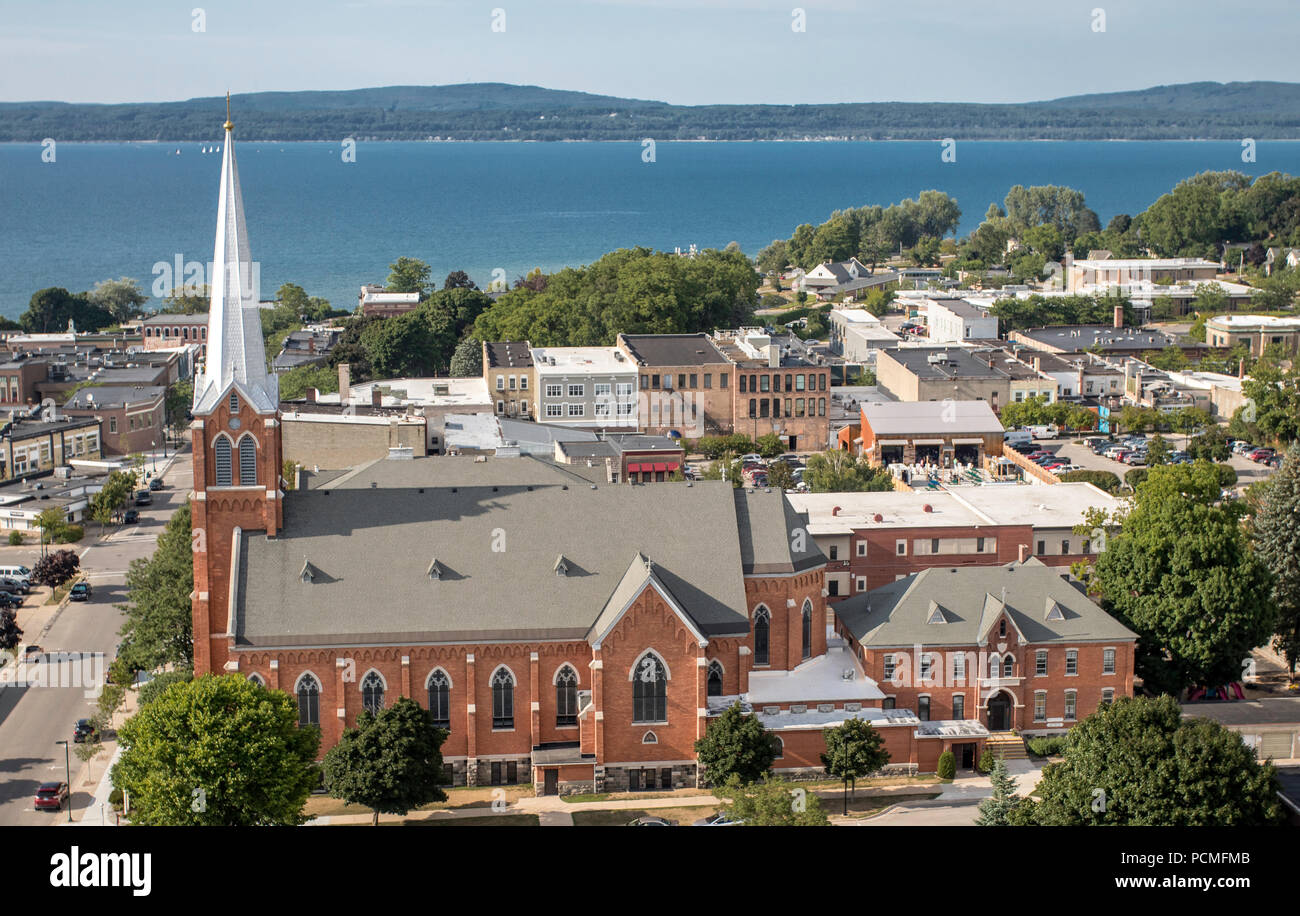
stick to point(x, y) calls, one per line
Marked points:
point(229, 125)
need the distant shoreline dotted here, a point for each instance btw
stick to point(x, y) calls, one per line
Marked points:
point(243, 141)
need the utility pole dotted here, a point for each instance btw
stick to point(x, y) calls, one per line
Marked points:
point(67, 768)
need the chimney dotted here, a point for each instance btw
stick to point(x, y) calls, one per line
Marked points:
point(1023, 548)
point(1119, 316)
point(311, 395)
point(1241, 368)
point(376, 396)
point(311, 344)
point(1038, 364)
point(345, 382)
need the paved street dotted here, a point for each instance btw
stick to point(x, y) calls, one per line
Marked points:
point(32, 715)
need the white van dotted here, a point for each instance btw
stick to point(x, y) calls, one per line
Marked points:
point(21, 573)
point(1043, 432)
point(1015, 437)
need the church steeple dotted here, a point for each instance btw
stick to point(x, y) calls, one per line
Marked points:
point(235, 353)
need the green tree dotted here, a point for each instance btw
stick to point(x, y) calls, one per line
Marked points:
point(1211, 445)
point(999, 809)
point(769, 445)
point(773, 802)
point(217, 751)
point(391, 762)
point(735, 744)
point(408, 275)
point(51, 521)
point(1180, 572)
point(158, 629)
point(157, 685)
point(839, 472)
point(1276, 532)
point(854, 750)
point(50, 310)
point(187, 300)
point(11, 635)
point(1139, 763)
point(780, 476)
point(458, 279)
point(295, 382)
point(1171, 358)
point(1275, 394)
point(1158, 450)
point(467, 359)
point(121, 298)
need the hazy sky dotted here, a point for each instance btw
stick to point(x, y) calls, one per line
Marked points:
point(681, 51)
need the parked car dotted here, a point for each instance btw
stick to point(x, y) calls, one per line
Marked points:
point(751, 459)
point(1241, 446)
point(721, 819)
point(156, 484)
point(143, 498)
point(1274, 462)
point(11, 600)
point(80, 592)
point(84, 730)
point(32, 652)
point(50, 796)
point(1135, 459)
point(1261, 454)
point(131, 517)
point(650, 821)
point(15, 584)
point(1115, 452)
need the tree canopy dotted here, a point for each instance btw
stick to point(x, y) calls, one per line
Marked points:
point(158, 629)
point(219, 751)
point(1276, 530)
point(735, 744)
point(1139, 763)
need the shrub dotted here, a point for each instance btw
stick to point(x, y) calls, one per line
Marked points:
point(1135, 477)
point(985, 763)
point(1052, 746)
point(115, 799)
point(15, 538)
point(1104, 480)
point(947, 768)
point(71, 534)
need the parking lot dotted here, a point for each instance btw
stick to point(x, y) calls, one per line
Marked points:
point(1247, 471)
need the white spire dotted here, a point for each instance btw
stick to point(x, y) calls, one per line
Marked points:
point(235, 352)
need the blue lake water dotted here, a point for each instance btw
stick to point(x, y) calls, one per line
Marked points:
point(117, 209)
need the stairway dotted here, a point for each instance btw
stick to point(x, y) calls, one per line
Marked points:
point(1007, 745)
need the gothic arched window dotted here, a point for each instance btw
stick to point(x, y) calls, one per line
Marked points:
point(372, 693)
point(762, 625)
point(649, 690)
point(308, 691)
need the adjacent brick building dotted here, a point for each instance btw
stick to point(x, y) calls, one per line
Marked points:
point(131, 417)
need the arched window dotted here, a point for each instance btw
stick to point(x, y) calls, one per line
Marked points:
point(649, 690)
point(308, 691)
point(247, 462)
point(715, 679)
point(503, 699)
point(566, 697)
point(1008, 667)
point(762, 624)
point(439, 698)
point(649, 738)
point(234, 402)
point(256, 679)
point(807, 630)
point(372, 693)
point(221, 453)
point(778, 747)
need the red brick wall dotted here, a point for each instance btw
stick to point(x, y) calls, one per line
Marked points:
point(785, 640)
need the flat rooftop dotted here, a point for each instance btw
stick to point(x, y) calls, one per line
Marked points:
point(950, 417)
point(1061, 505)
point(855, 316)
point(508, 354)
point(940, 363)
point(1260, 322)
point(896, 510)
point(106, 396)
point(1081, 337)
point(672, 349)
point(581, 360)
point(425, 392)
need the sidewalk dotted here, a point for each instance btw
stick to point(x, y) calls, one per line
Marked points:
point(551, 811)
point(98, 812)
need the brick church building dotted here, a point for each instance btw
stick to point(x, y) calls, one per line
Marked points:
point(564, 631)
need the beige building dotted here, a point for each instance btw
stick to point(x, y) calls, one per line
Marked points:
point(511, 377)
point(333, 437)
point(1257, 332)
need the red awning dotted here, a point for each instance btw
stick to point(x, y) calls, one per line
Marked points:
point(633, 468)
point(672, 465)
point(661, 467)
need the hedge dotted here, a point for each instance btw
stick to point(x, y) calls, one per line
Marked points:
point(1052, 746)
point(947, 768)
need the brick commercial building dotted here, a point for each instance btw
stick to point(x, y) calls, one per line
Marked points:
point(334, 437)
point(872, 539)
point(163, 332)
point(776, 393)
point(934, 432)
point(577, 635)
point(131, 418)
point(34, 446)
point(1015, 646)
point(684, 384)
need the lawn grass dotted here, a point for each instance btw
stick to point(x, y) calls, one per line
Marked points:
point(628, 796)
point(873, 804)
point(621, 816)
point(61, 592)
point(458, 798)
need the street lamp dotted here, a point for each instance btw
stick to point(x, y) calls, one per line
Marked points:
point(67, 768)
point(153, 454)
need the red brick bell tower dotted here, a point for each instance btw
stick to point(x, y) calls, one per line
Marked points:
point(236, 429)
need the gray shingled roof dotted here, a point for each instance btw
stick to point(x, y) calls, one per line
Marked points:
point(970, 599)
point(373, 545)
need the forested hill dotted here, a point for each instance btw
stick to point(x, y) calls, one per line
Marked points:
point(496, 111)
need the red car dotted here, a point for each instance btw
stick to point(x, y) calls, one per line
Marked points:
point(51, 796)
point(1261, 454)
